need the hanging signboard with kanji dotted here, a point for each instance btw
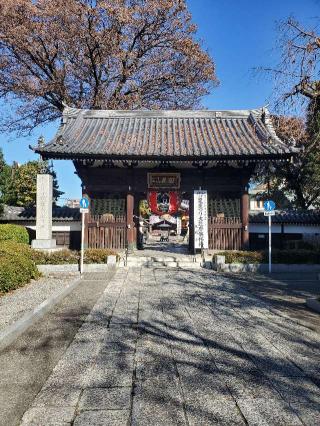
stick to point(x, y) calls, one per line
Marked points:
point(163, 181)
point(200, 199)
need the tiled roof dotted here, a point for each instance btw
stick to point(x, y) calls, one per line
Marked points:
point(14, 214)
point(310, 217)
point(169, 134)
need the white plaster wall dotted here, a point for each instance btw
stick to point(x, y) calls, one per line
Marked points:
point(263, 228)
point(62, 226)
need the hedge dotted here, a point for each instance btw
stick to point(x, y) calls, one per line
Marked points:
point(16, 265)
point(62, 257)
point(98, 255)
point(15, 233)
point(244, 256)
point(298, 256)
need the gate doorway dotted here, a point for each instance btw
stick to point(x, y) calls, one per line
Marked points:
point(163, 222)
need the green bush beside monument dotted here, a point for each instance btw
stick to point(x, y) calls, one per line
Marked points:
point(17, 267)
point(15, 233)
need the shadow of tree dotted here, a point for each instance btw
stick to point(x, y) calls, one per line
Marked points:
point(193, 345)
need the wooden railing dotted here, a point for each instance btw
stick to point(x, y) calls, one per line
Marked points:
point(224, 233)
point(107, 232)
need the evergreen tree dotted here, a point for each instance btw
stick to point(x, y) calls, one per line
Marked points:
point(5, 175)
point(20, 186)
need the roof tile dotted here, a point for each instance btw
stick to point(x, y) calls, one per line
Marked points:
point(149, 134)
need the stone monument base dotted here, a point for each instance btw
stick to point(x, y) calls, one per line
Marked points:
point(43, 244)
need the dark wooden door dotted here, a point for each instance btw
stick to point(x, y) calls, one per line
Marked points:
point(224, 233)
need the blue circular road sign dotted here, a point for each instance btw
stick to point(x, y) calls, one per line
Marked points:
point(84, 203)
point(269, 205)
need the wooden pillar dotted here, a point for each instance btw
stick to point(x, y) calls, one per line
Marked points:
point(130, 222)
point(244, 207)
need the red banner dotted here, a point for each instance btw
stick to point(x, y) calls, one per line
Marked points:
point(163, 202)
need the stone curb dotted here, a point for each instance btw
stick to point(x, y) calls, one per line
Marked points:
point(313, 304)
point(13, 331)
point(74, 267)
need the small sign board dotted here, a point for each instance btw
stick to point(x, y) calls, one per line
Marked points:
point(84, 203)
point(163, 181)
point(269, 205)
point(84, 208)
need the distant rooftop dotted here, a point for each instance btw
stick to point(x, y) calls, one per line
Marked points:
point(308, 217)
point(177, 135)
point(22, 214)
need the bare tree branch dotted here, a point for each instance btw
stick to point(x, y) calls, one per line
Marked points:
point(98, 54)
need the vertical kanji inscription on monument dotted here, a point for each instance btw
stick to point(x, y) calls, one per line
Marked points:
point(44, 213)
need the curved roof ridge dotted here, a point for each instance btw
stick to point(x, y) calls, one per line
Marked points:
point(71, 112)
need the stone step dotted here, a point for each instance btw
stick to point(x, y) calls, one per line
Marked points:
point(183, 262)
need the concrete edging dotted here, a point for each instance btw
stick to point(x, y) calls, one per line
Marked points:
point(313, 304)
point(44, 269)
point(74, 267)
point(13, 331)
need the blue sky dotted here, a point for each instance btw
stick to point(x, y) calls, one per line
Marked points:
point(239, 34)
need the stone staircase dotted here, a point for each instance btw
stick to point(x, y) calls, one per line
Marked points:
point(182, 262)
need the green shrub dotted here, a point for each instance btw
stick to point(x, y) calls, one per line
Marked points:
point(244, 256)
point(278, 256)
point(14, 233)
point(13, 248)
point(59, 257)
point(62, 257)
point(97, 255)
point(16, 265)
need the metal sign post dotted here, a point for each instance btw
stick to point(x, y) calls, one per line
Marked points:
point(269, 207)
point(84, 208)
point(269, 222)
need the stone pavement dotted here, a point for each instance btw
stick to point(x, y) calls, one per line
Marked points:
point(170, 347)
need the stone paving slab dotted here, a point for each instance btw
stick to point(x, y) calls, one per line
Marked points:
point(114, 398)
point(262, 411)
point(49, 416)
point(178, 347)
point(102, 418)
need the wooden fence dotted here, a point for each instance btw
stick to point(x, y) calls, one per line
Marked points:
point(224, 233)
point(107, 232)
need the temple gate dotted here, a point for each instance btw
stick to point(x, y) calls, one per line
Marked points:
point(125, 157)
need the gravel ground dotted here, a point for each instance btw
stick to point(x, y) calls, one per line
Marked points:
point(17, 303)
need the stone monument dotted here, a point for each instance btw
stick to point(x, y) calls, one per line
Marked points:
point(44, 239)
